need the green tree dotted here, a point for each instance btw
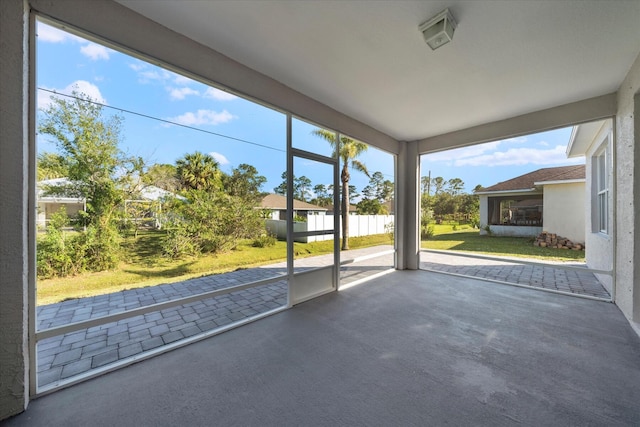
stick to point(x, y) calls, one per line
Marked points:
point(438, 185)
point(455, 186)
point(281, 189)
point(198, 171)
point(379, 188)
point(244, 181)
point(376, 194)
point(371, 207)
point(52, 165)
point(322, 195)
point(347, 150)
point(444, 204)
point(425, 183)
point(96, 167)
point(89, 144)
point(301, 187)
point(162, 175)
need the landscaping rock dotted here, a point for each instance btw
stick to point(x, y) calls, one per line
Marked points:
point(552, 240)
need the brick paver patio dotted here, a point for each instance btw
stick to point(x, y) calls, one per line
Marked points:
point(569, 281)
point(64, 356)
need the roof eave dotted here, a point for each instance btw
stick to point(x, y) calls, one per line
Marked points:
point(560, 181)
point(522, 190)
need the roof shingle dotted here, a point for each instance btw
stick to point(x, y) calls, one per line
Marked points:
point(276, 201)
point(526, 181)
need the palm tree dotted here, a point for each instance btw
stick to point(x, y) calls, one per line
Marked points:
point(198, 171)
point(347, 151)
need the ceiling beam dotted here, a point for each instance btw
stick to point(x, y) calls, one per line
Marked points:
point(587, 110)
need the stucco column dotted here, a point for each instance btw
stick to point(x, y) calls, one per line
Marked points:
point(14, 77)
point(408, 206)
point(636, 201)
point(628, 196)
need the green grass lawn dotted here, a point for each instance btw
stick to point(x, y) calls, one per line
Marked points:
point(471, 241)
point(144, 265)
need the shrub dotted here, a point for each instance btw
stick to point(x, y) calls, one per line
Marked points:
point(100, 246)
point(54, 252)
point(427, 232)
point(390, 229)
point(209, 222)
point(62, 253)
point(264, 240)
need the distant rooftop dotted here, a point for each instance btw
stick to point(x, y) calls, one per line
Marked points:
point(276, 201)
point(528, 181)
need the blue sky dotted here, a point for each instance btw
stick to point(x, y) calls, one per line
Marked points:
point(257, 134)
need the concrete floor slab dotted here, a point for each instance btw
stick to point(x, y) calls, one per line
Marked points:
point(166, 325)
point(409, 348)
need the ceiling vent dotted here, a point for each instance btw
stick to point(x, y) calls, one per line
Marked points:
point(438, 30)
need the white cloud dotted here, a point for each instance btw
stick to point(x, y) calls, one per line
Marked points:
point(147, 75)
point(203, 117)
point(181, 80)
point(543, 143)
point(137, 66)
point(182, 92)
point(95, 51)
point(82, 86)
point(463, 153)
point(218, 94)
point(516, 140)
point(458, 156)
point(54, 35)
point(520, 156)
point(220, 158)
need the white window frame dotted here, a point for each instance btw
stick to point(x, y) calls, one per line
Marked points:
point(600, 165)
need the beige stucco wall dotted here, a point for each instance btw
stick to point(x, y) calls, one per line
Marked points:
point(599, 245)
point(627, 129)
point(484, 212)
point(14, 360)
point(563, 210)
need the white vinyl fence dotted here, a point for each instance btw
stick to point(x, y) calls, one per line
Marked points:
point(359, 225)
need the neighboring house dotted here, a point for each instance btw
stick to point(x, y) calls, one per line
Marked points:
point(147, 207)
point(48, 204)
point(594, 141)
point(390, 205)
point(277, 205)
point(353, 210)
point(549, 199)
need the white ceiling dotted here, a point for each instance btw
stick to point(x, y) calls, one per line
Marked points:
point(367, 59)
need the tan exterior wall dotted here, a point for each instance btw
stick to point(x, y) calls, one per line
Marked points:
point(563, 212)
point(599, 245)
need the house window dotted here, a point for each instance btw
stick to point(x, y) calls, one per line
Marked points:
point(601, 207)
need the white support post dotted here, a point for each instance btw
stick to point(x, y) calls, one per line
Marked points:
point(408, 207)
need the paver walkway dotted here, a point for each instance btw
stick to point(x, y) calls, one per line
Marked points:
point(74, 353)
point(570, 281)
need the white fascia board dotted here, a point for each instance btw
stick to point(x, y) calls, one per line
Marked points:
point(60, 200)
point(572, 140)
point(493, 193)
point(565, 181)
point(583, 135)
